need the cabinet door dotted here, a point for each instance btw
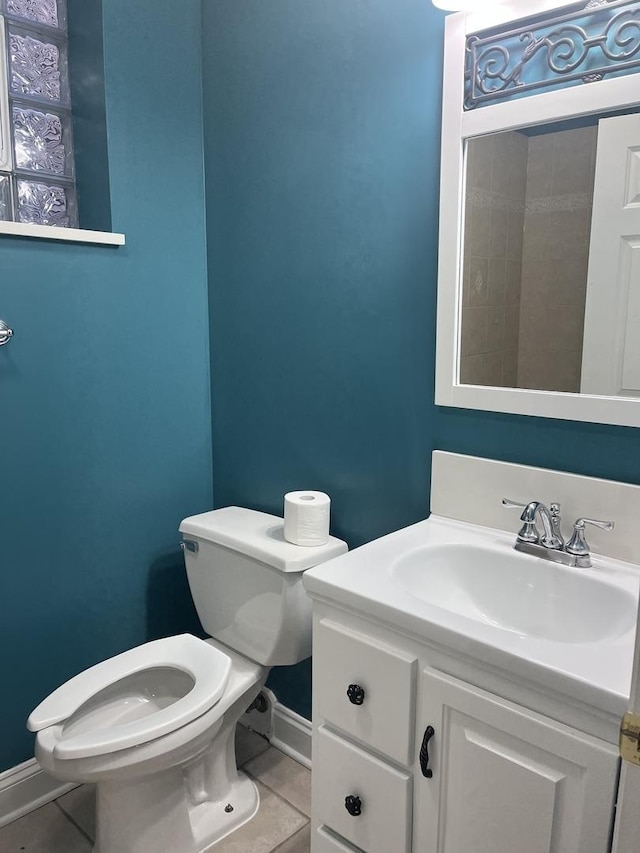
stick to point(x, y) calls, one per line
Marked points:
point(506, 780)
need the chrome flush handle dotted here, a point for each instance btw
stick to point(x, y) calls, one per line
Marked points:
point(5, 333)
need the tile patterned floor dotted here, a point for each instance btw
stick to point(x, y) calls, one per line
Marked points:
point(281, 825)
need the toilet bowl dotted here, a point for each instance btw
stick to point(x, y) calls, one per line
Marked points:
point(141, 726)
point(133, 698)
point(154, 727)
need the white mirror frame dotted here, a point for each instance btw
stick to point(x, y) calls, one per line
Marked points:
point(458, 127)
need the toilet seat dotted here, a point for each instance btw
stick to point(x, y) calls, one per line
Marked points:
point(207, 666)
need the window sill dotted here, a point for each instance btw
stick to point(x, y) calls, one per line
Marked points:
point(67, 235)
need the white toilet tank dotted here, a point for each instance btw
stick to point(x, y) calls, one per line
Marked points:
point(246, 582)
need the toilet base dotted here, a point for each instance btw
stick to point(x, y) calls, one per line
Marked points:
point(140, 825)
point(214, 822)
point(184, 808)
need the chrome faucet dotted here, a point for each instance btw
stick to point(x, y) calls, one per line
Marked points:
point(550, 544)
point(550, 522)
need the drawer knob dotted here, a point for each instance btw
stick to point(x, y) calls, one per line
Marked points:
point(355, 694)
point(353, 805)
point(424, 752)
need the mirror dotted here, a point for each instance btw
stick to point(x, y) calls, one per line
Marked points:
point(529, 196)
point(539, 252)
point(526, 251)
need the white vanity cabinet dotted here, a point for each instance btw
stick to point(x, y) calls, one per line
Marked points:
point(504, 779)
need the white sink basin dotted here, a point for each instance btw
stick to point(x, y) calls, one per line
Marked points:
point(463, 588)
point(516, 592)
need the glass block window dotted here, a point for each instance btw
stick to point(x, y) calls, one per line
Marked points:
point(37, 172)
point(40, 11)
point(44, 203)
point(572, 46)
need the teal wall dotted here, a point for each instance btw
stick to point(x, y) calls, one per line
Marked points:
point(322, 126)
point(105, 433)
point(593, 449)
point(90, 149)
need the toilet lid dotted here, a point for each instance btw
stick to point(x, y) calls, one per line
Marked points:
point(207, 666)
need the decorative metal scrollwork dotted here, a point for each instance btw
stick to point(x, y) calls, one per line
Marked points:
point(554, 51)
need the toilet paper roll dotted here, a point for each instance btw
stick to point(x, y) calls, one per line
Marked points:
point(306, 518)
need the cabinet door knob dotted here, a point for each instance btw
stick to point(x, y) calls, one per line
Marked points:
point(355, 694)
point(353, 805)
point(424, 752)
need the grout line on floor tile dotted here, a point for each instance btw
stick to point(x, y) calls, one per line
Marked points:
point(290, 838)
point(277, 794)
point(71, 820)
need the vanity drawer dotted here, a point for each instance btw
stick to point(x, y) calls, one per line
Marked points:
point(324, 842)
point(383, 794)
point(380, 680)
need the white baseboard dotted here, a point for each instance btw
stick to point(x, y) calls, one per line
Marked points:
point(283, 728)
point(25, 788)
point(291, 734)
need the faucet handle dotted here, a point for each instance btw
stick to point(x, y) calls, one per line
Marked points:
point(509, 504)
point(603, 525)
point(528, 532)
point(578, 545)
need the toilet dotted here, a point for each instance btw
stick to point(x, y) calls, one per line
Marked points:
point(153, 728)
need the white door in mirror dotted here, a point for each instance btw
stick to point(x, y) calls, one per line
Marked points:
point(611, 349)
